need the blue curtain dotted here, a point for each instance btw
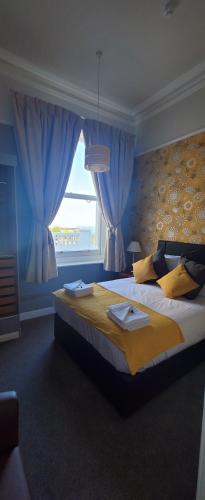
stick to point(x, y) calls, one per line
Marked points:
point(112, 188)
point(46, 137)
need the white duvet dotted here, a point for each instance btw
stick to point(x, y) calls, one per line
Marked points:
point(190, 316)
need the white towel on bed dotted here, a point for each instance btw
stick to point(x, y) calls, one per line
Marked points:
point(127, 316)
point(78, 288)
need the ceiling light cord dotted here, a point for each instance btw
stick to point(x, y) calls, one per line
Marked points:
point(99, 56)
point(97, 155)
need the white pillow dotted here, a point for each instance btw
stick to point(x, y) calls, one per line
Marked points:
point(172, 261)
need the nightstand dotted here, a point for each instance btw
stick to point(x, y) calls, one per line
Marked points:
point(125, 274)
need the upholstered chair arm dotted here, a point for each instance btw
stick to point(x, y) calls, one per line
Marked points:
point(8, 420)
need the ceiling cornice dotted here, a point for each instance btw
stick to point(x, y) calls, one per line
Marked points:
point(21, 70)
point(177, 90)
point(49, 84)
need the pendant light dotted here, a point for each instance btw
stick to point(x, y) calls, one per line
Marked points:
point(97, 156)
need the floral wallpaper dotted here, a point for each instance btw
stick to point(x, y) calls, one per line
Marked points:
point(171, 193)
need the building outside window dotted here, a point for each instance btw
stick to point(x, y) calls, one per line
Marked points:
point(78, 229)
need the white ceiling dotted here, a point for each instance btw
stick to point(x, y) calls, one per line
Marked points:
point(143, 51)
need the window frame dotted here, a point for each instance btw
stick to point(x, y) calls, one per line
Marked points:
point(66, 258)
point(78, 257)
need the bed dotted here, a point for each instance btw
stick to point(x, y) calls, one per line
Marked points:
point(107, 366)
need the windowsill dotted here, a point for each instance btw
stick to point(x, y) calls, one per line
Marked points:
point(79, 263)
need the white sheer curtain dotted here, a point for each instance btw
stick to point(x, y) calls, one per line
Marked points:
point(46, 137)
point(112, 188)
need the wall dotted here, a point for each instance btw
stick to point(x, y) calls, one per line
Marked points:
point(171, 193)
point(183, 118)
point(34, 296)
point(7, 140)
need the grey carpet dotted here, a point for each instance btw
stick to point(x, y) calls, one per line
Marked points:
point(74, 444)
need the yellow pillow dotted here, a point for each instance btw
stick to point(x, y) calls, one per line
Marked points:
point(143, 270)
point(177, 282)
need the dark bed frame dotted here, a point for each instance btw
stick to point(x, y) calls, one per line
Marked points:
point(126, 392)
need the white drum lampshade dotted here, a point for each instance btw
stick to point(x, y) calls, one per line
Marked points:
point(134, 247)
point(97, 158)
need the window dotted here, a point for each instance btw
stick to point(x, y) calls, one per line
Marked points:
point(78, 229)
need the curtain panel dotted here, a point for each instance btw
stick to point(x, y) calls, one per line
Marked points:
point(46, 138)
point(112, 188)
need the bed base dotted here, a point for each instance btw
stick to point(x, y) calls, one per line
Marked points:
point(126, 392)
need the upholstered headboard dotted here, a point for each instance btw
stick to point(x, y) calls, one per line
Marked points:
point(180, 248)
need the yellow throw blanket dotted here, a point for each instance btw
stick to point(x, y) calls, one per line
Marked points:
point(139, 346)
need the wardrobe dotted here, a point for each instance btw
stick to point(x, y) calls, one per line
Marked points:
point(9, 308)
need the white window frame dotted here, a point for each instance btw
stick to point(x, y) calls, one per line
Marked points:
point(66, 258)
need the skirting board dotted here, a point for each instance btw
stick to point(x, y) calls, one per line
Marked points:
point(9, 336)
point(36, 313)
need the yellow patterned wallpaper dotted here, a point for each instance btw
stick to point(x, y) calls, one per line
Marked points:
point(171, 193)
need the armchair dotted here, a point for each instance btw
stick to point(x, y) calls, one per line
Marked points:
point(13, 483)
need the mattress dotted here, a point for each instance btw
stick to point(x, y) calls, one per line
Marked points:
point(190, 316)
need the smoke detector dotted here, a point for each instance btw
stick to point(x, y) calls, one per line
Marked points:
point(169, 7)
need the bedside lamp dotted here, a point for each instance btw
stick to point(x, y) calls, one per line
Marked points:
point(134, 247)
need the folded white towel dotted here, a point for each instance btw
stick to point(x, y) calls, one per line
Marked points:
point(126, 310)
point(73, 285)
point(128, 326)
point(127, 316)
point(120, 310)
point(78, 288)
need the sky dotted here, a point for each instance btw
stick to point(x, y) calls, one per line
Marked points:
point(80, 180)
point(75, 213)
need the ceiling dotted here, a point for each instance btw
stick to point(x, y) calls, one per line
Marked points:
point(142, 50)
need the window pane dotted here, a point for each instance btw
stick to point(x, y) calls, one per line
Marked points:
point(80, 180)
point(75, 227)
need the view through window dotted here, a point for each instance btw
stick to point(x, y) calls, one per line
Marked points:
point(77, 226)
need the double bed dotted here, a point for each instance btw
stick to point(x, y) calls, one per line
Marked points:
point(107, 365)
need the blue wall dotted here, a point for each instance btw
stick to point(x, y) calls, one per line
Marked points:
point(7, 140)
point(37, 296)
